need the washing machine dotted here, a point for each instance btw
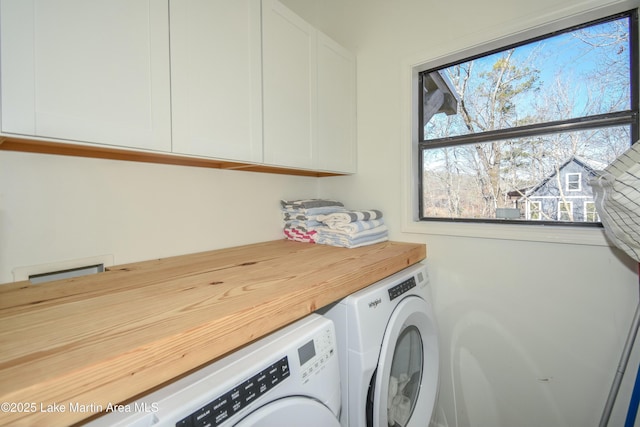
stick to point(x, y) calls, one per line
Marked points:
point(289, 378)
point(389, 355)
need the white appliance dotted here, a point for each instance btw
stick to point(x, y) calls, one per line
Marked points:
point(289, 378)
point(388, 344)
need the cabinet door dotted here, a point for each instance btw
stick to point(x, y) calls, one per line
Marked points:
point(216, 78)
point(336, 107)
point(289, 79)
point(92, 71)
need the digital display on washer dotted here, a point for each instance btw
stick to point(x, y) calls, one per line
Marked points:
point(307, 352)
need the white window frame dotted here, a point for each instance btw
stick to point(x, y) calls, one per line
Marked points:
point(475, 44)
point(529, 210)
point(586, 210)
point(568, 182)
point(569, 211)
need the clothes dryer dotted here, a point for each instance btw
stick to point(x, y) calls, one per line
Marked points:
point(389, 353)
point(289, 378)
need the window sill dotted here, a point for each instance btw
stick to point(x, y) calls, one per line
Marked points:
point(531, 233)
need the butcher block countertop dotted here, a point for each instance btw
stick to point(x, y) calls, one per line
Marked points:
point(72, 347)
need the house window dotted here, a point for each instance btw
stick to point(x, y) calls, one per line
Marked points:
point(502, 129)
point(534, 211)
point(565, 211)
point(574, 182)
point(590, 212)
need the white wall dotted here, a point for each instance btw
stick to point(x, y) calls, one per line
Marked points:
point(531, 331)
point(55, 209)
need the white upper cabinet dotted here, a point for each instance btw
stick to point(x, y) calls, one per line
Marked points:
point(336, 107)
point(289, 79)
point(246, 81)
point(91, 71)
point(309, 95)
point(216, 79)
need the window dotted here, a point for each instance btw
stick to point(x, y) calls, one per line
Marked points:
point(574, 181)
point(499, 131)
point(590, 213)
point(535, 211)
point(565, 211)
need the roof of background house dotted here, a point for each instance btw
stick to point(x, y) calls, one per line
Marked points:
point(587, 165)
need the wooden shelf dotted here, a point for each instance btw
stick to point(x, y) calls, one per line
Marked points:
point(101, 152)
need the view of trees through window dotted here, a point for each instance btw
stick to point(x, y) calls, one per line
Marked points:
point(517, 134)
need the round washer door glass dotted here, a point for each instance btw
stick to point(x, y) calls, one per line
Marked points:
point(406, 373)
point(405, 379)
point(291, 411)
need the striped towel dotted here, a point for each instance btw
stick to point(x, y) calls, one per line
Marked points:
point(309, 213)
point(299, 236)
point(617, 199)
point(302, 222)
point(345, 243)
point(309, 203)
point(301, 226)
point(349, 216)
point(354, 227)
point(327, 236)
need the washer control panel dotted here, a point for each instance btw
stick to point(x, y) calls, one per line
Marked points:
point(401, 288)
point(315, 353)
point(220, 409)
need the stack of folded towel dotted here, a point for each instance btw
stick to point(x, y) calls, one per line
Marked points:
point(328, 222)
point(352, 229)
point(300, 217)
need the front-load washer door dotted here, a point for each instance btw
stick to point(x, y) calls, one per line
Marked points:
point(404, 387)
point(291, 411)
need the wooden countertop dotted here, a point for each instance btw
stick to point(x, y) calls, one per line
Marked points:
point(69, 348)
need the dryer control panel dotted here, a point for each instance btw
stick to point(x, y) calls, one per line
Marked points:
point(315, 353)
